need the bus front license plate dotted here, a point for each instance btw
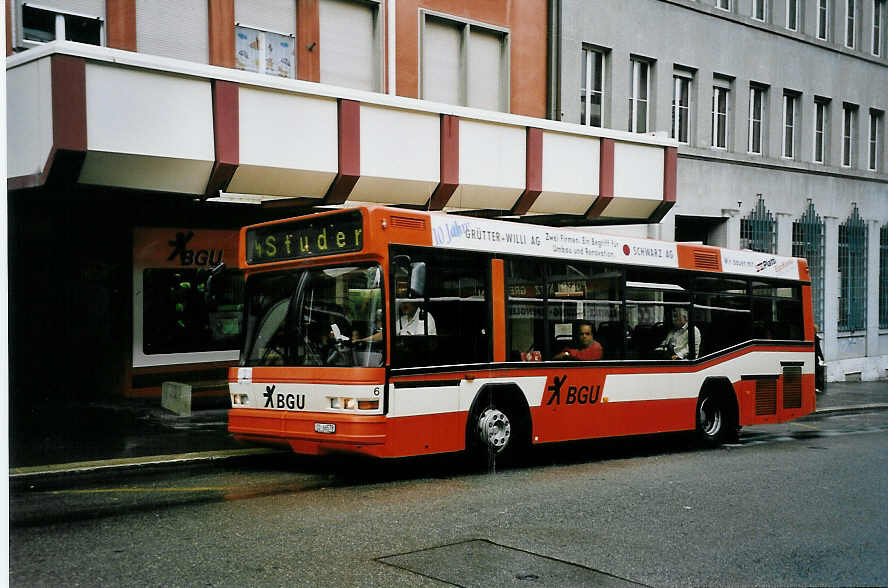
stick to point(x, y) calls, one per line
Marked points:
point(325, 427)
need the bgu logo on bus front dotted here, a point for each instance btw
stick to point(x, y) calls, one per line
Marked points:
point(585, 394)
point(279, 400)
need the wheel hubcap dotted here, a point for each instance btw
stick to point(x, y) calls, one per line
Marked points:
point(494, 429)
point(710, 417)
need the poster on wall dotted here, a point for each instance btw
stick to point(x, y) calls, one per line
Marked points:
point(279, 55)
point(246, 47)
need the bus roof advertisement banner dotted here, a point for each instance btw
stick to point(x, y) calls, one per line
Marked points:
point(504, 237)
point(755, 263)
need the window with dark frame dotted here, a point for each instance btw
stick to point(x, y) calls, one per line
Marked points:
point(40, 25)
point(875, 138)
point(759, 9)
point(792, 15)
point(821, 124)
point(681, 107)
point(849, 122)
point(639, 88)
point(756, 118)
point(720, 117)
point(823, 19)
point(176, 316)
point(592, 87)
point(790, 102)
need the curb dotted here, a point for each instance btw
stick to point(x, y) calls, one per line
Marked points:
point(26, 474)
point(851, 408)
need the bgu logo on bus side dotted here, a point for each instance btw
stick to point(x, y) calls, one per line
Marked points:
point(584, 394)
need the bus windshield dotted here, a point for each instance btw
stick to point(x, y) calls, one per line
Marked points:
point(315, 317)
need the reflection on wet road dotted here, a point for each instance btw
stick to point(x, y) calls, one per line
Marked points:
point(281, 474)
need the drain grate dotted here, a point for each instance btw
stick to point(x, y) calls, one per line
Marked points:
point(483, 563)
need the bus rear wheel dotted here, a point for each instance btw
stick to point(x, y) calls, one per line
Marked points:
point(712, 420)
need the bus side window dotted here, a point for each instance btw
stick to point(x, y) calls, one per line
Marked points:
point(455, 301)
point(777, 311)
point(722, 312)
point(525, 291)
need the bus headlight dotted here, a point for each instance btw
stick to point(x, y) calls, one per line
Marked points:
point(345, 403)
point(240, 399)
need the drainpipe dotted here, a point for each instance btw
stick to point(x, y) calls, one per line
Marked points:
point(553, 65)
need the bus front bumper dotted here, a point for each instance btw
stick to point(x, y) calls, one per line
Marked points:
point(302, 431)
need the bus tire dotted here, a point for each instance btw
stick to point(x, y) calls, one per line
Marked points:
point(713, 420)
point(497, 431)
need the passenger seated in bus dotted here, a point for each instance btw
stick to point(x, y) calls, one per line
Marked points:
point(675, 345)
point(414, 321)
point(588, 348)
point(411, 321)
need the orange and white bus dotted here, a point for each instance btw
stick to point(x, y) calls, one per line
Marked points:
point(392, 333)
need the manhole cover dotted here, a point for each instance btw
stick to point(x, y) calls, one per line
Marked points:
point(483, 563)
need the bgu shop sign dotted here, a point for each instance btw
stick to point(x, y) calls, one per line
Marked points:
point(183, 247)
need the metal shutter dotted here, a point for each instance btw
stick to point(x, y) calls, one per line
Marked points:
point(349, 51)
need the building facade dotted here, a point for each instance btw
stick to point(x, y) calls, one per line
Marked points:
point(779, 108)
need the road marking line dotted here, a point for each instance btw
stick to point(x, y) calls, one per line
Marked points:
point(123, 490)
point(84, 466)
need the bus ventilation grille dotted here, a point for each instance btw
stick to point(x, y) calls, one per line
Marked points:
point(706, 260)
point(406, 222)
point(766, 396)
point(792, 387)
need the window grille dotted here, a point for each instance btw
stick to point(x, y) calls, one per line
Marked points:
point(758, 231)
point(852, 273)
point(808, 242)
point(883, 277)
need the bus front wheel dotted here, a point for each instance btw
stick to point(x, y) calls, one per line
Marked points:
point(496, 432)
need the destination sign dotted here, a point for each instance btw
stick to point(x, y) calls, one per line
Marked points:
point(312, 237)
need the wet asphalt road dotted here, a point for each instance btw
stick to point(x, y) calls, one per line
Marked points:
point(794, 504)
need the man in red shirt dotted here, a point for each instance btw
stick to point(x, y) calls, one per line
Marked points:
point(589, 349)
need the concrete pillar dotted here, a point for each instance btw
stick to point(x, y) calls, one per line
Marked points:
point(661, 98)
point(830, 326)
point(739, 134)
point(664, 230)
point(728, 233)
point(784, 234)
point(804, 129)
point(835, 136)
point(619, 75)
point(701, 117)
point(872, 289)
point(772, 133)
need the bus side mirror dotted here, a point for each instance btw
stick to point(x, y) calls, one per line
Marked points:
point(209, 293)
point(417, 279)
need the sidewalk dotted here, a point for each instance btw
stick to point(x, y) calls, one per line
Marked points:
point(71, 438)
